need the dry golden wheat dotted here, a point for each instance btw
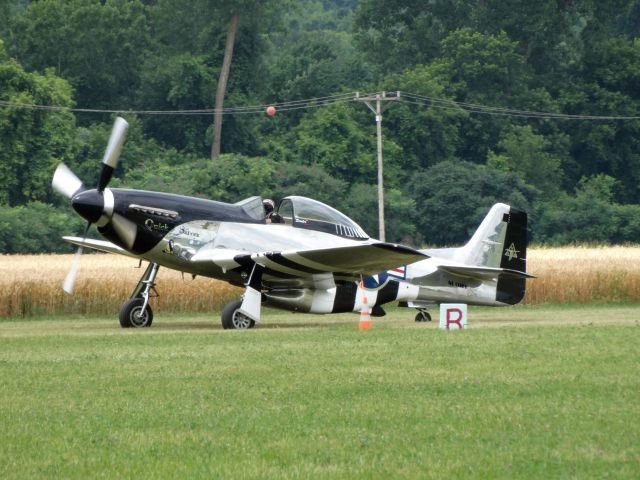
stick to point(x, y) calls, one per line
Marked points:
point(583, 274)
point(32, 284)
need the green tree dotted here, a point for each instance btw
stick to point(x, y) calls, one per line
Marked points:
point(607, 84)
point(333, 139)
point(425, 135)
point(256, 10)
point(97, 46)
point(452, 198)
point(529, 155)
point(482, 69)
point(308, 181)
point(142, 158)
point(178, 82)
point(36, 227)
point(316, 64)
point(185, 70)
point(235, 177)
point(361, 204)
point(32, 141)
point(398, 34)
point(589, 216)
point(547, 32)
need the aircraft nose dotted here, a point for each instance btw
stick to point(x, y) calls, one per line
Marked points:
point(89, 205)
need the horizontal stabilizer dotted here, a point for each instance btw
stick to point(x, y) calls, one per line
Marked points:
point(483, 273)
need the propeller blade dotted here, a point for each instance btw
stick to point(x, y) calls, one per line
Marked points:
point(65, 181)
point(70, 279)
point(112, 153)
point(125, 228)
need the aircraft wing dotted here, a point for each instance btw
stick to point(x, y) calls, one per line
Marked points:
point(101, 245)
point(483, 273)
point(348, 261)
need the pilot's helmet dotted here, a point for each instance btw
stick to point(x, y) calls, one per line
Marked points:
point(269, 206)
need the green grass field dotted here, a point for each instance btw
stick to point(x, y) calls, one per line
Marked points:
point(525, 392)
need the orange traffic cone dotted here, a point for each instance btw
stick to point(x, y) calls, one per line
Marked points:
point(365, 312)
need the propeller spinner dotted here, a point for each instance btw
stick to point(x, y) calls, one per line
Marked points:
point(96, 204)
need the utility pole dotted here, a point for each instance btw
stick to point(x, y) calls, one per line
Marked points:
point(378, 110)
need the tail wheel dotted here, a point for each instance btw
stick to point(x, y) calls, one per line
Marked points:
point(423, 316)
point(133, 316)
point(233, 319)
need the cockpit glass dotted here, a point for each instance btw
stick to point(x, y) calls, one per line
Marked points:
point(286, 211)
point(313, 215)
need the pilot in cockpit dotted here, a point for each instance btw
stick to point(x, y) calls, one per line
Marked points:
point(269, 207)
point(271, 216)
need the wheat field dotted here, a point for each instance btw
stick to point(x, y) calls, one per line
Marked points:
point(31, 285)
point(583, 274)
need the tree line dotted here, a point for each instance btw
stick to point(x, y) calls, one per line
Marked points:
point(468, 135)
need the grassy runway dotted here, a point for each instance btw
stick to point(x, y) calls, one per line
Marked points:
point(525, 392)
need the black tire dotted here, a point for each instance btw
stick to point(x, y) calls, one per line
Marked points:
point(232, 319)
point(130, 314)
point(423, 317)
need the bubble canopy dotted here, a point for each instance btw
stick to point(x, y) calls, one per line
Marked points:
point(304, 212)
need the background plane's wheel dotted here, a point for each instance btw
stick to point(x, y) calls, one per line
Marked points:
point(132, 315)
point(233, 319)
point(423, 316)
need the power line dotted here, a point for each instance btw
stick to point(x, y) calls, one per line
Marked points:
point(241, 110)
point(309, 103)
point(444, 104)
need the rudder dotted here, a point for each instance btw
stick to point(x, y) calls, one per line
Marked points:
point(511, 290)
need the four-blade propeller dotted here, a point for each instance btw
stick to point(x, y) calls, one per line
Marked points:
point(90, 204)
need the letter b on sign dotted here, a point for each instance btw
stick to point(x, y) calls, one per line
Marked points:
point(453, 316)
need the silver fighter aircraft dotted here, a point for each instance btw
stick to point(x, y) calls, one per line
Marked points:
point(305, 257)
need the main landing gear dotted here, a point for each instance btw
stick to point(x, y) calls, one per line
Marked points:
point(243, 314)
point(232, 318)
point(136, 312)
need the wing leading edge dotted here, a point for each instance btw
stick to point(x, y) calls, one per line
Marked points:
point(101, 245)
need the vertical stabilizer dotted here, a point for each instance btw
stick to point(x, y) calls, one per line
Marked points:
point(487, 243)
point(501, 242)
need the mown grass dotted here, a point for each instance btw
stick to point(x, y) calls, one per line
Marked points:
point(526, 392)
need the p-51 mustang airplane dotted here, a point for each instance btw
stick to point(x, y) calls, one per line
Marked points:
point(307, 257)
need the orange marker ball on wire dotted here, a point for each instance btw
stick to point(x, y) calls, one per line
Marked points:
point(271, 111)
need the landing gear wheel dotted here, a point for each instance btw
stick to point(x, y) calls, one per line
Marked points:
point(232, 318)
point(132, 315)
point(423, 316)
